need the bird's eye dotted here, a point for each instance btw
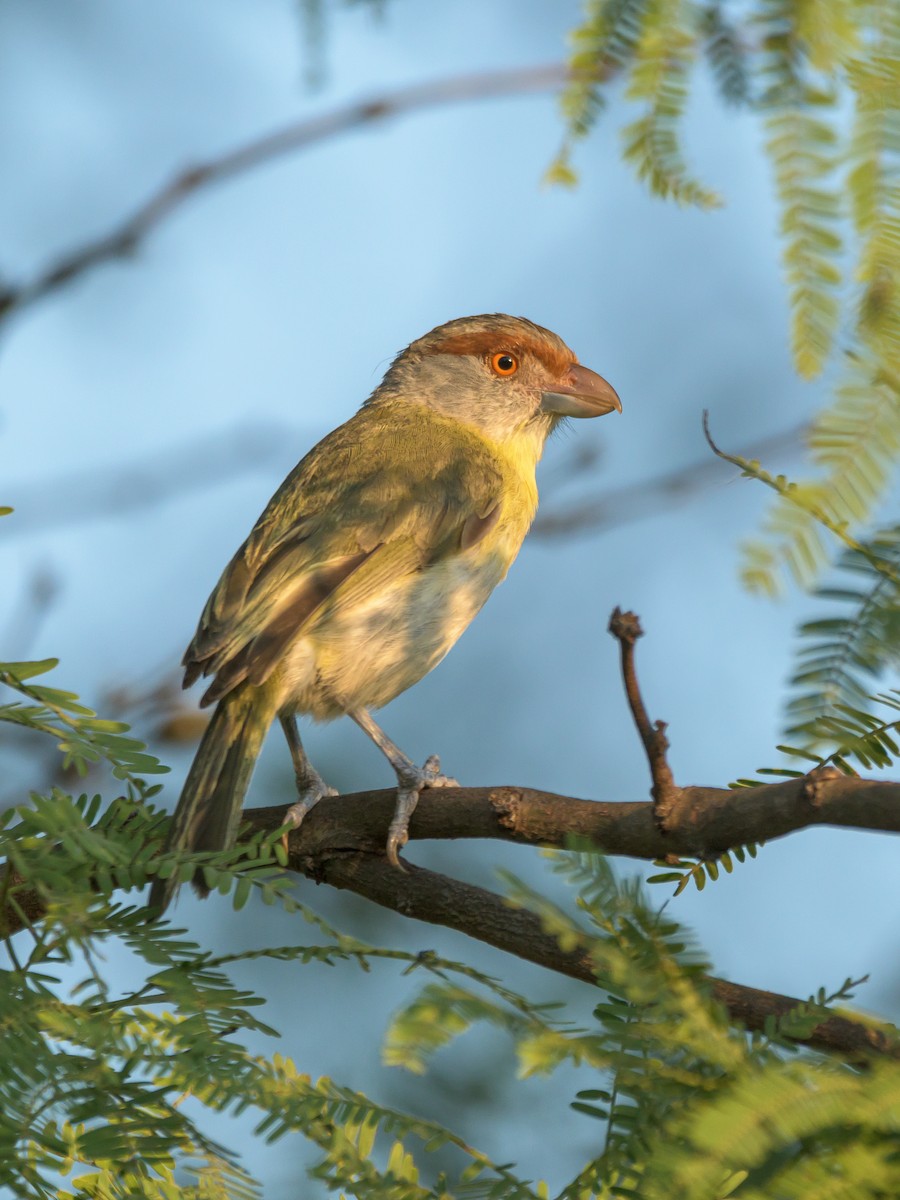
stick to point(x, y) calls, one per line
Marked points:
point(504, 363)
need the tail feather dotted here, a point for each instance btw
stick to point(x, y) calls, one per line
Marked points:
point(208, 813)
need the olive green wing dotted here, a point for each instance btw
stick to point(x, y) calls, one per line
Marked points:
point(394, 489)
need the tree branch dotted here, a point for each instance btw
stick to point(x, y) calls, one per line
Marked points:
point(439, 900)
point(617, 506)
point(345, 848)
point(626, 629)
point(341, 842)
point(117, 489)
point(706, 822)
point(123, 241)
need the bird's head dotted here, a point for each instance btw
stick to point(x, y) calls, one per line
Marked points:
point(504, 375)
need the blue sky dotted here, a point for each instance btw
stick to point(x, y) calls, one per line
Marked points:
point(265, 311)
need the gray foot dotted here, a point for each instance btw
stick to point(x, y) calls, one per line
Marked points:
point(411, 781)
point(308, 797)
point(311, 787)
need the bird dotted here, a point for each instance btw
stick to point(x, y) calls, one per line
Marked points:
point(371, 559)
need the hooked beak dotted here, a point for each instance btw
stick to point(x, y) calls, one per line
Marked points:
point(584, 394)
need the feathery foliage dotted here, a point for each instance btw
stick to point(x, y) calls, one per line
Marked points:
point(802, 146)
point(684, 1104)
point(653, 42)
point(601, 47)
point(83, 737)
point(722, 45)
point(802, 67)
point(699, 871)
point(842, 655)
point(683, 1099)
point(659, 77)
point(854, 733)
point(92, 1079)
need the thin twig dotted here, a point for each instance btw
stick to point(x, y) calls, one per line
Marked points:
point(646, 498)
point(626, 629)
point(126, 238)
point(789, 491)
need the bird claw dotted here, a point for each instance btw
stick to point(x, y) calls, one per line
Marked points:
point(309, 797)
point(411, 783)
point(398, 830)
point(431, 774)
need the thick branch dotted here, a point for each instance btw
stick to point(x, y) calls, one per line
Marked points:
point(524, 815)
point(124, 241)
point(706, 822)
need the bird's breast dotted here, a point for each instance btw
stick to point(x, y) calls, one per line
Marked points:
point(365, 653)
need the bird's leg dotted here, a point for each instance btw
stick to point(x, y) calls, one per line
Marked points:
point(411, 779)
point(311, 787)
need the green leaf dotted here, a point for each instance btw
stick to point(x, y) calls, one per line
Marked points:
point(28, 670)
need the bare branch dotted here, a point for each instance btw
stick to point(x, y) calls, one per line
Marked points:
point(123, 241)
point(707, 821)
point(626, 629)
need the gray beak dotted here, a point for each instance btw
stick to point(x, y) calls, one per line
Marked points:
point(583, 394)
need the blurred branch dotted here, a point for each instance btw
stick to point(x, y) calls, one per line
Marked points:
point(159, 708)
point(635, 500)
point(123, 241)
point(120, 488)
point(41, 590)
point(142, 482)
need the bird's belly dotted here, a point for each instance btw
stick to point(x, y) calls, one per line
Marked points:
point(366, 653)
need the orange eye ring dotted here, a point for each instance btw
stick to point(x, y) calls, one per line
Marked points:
point(504, 364)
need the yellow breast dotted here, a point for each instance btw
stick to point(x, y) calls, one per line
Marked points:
point(366, 653)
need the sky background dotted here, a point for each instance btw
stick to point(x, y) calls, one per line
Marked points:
point(260, 316)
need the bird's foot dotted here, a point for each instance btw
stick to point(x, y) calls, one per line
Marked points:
point(431, 772)
point(311, 788)
point(411, 782)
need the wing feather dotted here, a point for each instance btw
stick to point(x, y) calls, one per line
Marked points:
point(342, 526)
